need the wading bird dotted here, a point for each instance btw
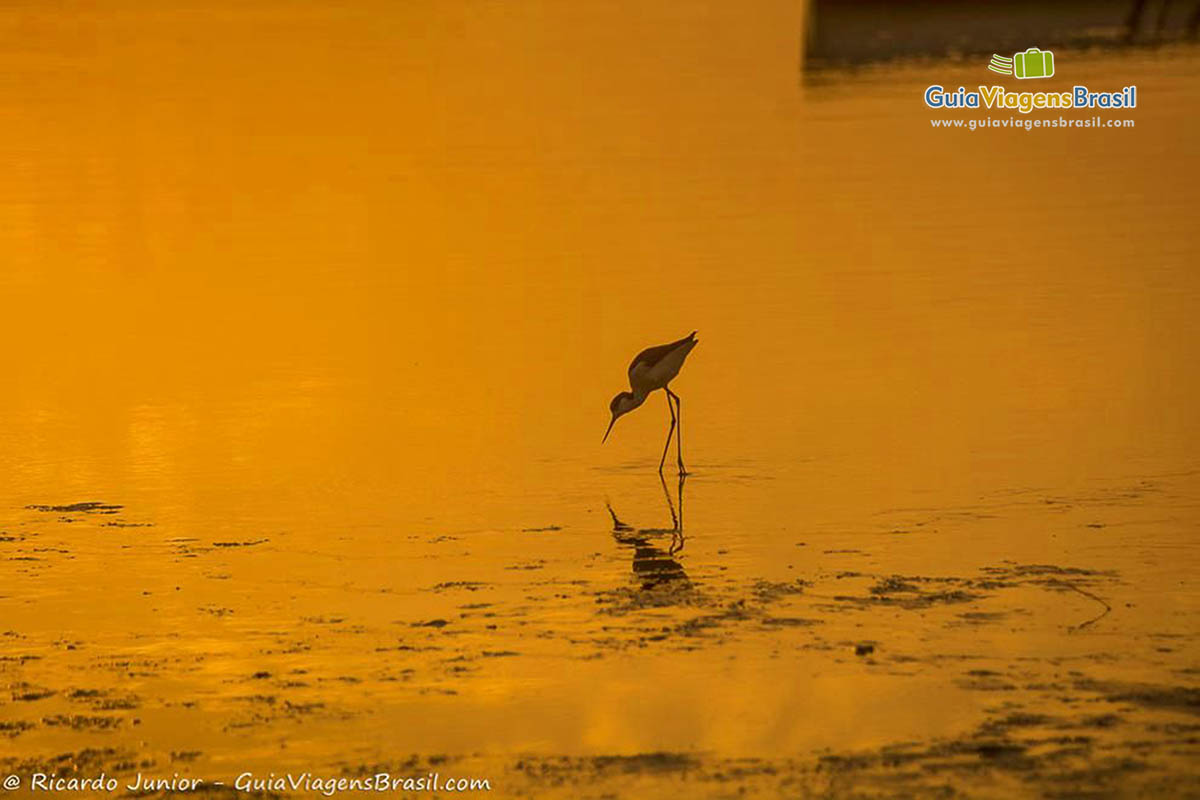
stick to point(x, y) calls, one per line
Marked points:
point(651, 370)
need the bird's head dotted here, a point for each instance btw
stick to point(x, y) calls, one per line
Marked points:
point(623, 403)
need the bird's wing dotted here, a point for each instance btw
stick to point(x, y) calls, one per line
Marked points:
point(652, 355)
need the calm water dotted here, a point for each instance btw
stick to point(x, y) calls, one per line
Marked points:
point(331, 303)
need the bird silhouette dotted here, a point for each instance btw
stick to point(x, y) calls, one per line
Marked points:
point(652, 369)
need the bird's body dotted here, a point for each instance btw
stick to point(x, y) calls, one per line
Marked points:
point(652, 369)
point(655, 367)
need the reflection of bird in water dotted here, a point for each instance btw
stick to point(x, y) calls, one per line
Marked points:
point(654, 567)
point(653, 369)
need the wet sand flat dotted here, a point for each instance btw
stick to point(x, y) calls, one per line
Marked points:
point(596, 661)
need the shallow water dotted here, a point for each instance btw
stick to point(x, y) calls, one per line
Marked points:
point(327, 307)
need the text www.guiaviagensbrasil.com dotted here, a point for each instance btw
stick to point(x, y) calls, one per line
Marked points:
point(1024, 124)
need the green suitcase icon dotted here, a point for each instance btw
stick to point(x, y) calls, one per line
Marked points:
point(1033, 63)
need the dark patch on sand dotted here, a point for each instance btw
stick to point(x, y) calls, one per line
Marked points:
point(13, 729)
point(81, 722)
point(466, 586)
point(1185, 699)
point(27, 693)
point(78, 508)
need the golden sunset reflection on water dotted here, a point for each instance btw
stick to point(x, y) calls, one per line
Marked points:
point(329, 304)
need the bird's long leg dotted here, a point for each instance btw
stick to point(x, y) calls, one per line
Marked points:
point(671, 431)
point(679, 436)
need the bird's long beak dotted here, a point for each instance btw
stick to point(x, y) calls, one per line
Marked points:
point(607, 432)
